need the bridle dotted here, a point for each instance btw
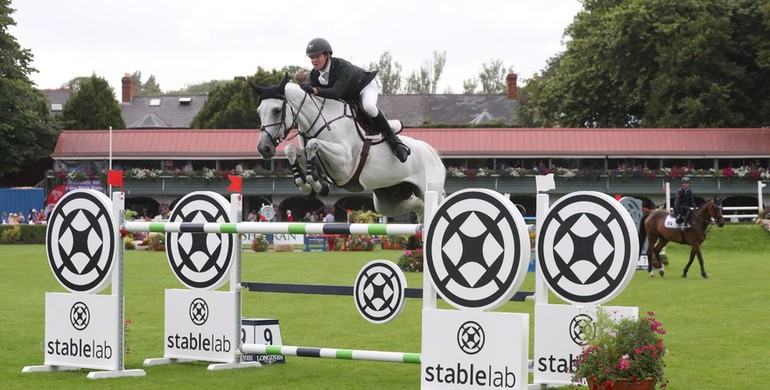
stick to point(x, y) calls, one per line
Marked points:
point(305, 135)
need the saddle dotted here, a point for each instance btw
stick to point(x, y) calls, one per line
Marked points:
point(365, 124)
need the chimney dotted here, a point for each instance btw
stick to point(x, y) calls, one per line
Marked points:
point(513, 93)
point(128, 88)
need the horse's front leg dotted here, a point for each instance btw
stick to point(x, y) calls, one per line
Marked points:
point(311, 176)
point(692, 257)
point(295, 157)
point(700, 262)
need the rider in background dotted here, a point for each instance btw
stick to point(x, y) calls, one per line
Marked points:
point(684, 203)
point(335, 78)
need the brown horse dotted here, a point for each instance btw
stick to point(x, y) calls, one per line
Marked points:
point(658, 235)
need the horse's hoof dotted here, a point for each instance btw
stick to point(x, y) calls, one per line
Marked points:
point(652, 274)
point(704, 275)
point(684, 275)
point(662, 273)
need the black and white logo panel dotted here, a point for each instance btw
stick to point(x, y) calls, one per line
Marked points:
point(201, 260)
point(379, 291)
point(477, 249)
point(199, 311)
point(471, 337)
point(80, 316)
point(581, 328)
point(80, 241)
point(588, 248)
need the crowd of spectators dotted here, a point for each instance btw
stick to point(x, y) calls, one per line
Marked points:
point(34, 217)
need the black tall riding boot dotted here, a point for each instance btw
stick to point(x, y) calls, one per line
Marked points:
point(399, 149)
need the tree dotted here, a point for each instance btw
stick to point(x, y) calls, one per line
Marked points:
point(234, 104)
point(492, 77)
point(418, 82)
point(93, 107)
point(426, 81)
point(389, 72)
point(439, 60)
point(657, 63)
point(27, 131)
point(470, 85)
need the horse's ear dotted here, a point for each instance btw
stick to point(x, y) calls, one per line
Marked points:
point(285, 80)
point(256, 87)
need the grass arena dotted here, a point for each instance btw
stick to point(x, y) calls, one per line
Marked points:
point(716, 328)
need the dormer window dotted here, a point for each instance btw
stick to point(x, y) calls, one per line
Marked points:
point(155, 102)
point(185, 101)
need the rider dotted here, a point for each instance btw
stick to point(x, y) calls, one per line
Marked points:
point(335, 78)
point(684, 203)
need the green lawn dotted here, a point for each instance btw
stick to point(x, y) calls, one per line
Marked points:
point(717, 328)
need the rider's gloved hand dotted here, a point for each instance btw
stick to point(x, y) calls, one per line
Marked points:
point(307, 87)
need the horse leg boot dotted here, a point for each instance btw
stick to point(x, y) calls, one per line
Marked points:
point(399, 149)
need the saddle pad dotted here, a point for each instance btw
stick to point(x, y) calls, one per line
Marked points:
point(671, 222)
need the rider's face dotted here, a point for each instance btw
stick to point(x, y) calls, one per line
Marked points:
point(319, 61)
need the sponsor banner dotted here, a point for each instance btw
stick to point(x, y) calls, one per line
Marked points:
point(200, 325)
point(261, 331)
point(293, 239)
point(81, 330)
point(560, 333)
point(474, 350)
point(90, 184)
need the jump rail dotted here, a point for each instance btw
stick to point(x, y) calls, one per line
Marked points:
point(274, 228)
point(332, 353)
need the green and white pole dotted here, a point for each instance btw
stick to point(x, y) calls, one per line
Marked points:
point(332, 353)
point(274, 228)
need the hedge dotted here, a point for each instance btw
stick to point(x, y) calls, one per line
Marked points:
point(30, 234)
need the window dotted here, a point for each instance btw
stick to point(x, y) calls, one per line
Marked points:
point(185, 101)
point(155, 102)
point(56, 107)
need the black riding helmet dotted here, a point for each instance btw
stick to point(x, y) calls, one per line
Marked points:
point(318, 46)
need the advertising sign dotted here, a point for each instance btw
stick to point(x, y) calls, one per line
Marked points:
point(200, 325)
point(81, 330)
point(472, 349)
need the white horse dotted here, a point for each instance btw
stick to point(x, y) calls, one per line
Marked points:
point(334, 150)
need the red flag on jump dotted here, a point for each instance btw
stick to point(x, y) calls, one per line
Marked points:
point(115, 178)
point(236, 183)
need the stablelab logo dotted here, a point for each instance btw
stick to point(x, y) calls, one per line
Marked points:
point(80, 316)
point(199, 311)
point(199, 342)
point(470, 337)
point(471, 375)
point(80, 348)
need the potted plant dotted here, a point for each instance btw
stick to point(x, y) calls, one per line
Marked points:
point(361, 243)
point(623, 354)
point(259, 244)
point(394, 242)
point(411, 261)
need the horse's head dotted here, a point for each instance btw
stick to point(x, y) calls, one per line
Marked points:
point(715, 211)
point(273, 116)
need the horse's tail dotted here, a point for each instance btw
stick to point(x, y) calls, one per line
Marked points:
point(643, 230)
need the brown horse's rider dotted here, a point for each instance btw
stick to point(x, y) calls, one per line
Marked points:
point(335, 78)
point(684, 203)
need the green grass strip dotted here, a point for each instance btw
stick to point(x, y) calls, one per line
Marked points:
point(344, 354)
point(297, 228)
point(227, 228)
point(412, 358)
point(158, 227)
